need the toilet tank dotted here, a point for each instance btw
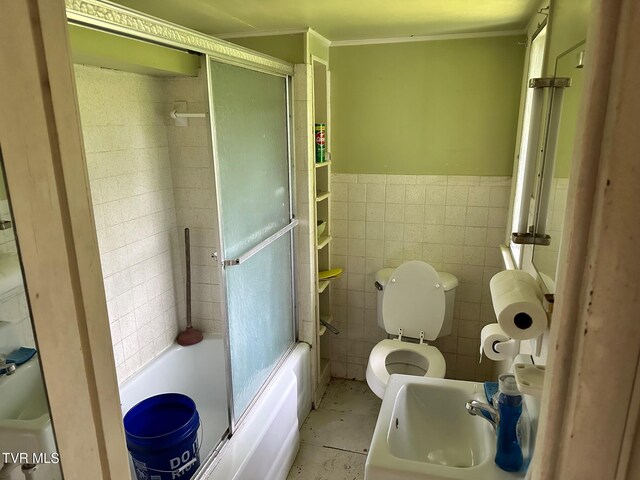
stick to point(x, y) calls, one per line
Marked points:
point(449, 282)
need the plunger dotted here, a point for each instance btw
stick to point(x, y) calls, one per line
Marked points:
point(191, 335)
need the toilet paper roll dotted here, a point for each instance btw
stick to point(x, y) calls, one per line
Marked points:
point(495, 344)
point(517, 303)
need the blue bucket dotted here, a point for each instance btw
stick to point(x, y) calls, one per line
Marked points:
point(162, 437)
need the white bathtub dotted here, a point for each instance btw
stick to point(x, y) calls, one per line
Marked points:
point(266, 442)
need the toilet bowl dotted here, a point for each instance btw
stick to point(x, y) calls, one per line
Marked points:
point(414, 302)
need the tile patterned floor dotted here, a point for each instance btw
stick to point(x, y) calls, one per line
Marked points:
point(335, 438)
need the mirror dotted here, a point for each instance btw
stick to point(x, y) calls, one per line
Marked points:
point(26, 432)
point(545, 258)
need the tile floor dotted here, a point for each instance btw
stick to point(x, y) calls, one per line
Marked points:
point(335, 438)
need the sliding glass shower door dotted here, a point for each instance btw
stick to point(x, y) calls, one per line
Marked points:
point(250, 125)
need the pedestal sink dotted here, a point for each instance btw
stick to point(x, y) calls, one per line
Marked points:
point(424, 433)
point(25, 425)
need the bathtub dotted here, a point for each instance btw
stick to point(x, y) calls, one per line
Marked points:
point(267, 440)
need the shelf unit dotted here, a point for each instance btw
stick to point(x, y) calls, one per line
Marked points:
point(322, 242)
point(323, 285)
point(322, 191)
point(322, 196)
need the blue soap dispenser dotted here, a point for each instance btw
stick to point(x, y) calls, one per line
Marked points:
point(509, 404)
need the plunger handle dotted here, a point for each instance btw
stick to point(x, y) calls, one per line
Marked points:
point(187, 247)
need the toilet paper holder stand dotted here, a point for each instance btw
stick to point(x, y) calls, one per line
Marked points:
point(536, 345)
point(510, 348)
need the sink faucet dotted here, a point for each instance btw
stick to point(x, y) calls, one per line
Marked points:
point(483, 410)
point(7, 368)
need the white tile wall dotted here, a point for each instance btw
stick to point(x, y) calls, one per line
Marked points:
point(13, 304)
point(455, 223)
point(195, 200)
point(7, 237)
point(14, 309)
point(149, 180)
point(123, 123)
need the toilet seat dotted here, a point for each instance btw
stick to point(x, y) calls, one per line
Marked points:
point(395, 356)
point(414, 301)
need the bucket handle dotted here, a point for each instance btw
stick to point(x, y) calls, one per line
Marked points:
point(186, 465)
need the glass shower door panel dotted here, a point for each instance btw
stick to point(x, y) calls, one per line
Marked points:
point(251, 136)
point(259, 305)
point(250, 112)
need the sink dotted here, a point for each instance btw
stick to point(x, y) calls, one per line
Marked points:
point(25, 424)
point(423, 432)
point(431, 425)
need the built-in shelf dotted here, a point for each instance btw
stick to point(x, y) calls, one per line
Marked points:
point(323, 242)
point(320, 192)
point(322, 285)
point(322, 196)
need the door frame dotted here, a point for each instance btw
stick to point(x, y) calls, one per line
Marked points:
point(589, 421)
point(48, 185)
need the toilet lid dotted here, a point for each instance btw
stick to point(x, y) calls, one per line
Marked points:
point(414, 301)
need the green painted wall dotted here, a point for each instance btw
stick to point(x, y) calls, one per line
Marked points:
point(567, 27)
point(289, 48)
point(442, 107)
point(92, 47)
point(571, 105)
point(293, 48)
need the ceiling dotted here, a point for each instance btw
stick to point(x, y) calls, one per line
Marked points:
point(340, 20)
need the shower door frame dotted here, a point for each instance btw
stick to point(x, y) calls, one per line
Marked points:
point(288, 229)
point(115, 19)
point(112, 18)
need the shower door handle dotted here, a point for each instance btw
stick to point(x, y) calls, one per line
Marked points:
point(265, 243)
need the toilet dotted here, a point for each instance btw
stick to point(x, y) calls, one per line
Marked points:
point(414, 301)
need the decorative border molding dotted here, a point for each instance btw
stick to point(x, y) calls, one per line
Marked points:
point(324, 40)
point(426, 38)
point(107, 16)
point(273, 33)
point(263, 33)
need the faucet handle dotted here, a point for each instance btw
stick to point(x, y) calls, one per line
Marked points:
point(484, 411)
point(7, 368)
